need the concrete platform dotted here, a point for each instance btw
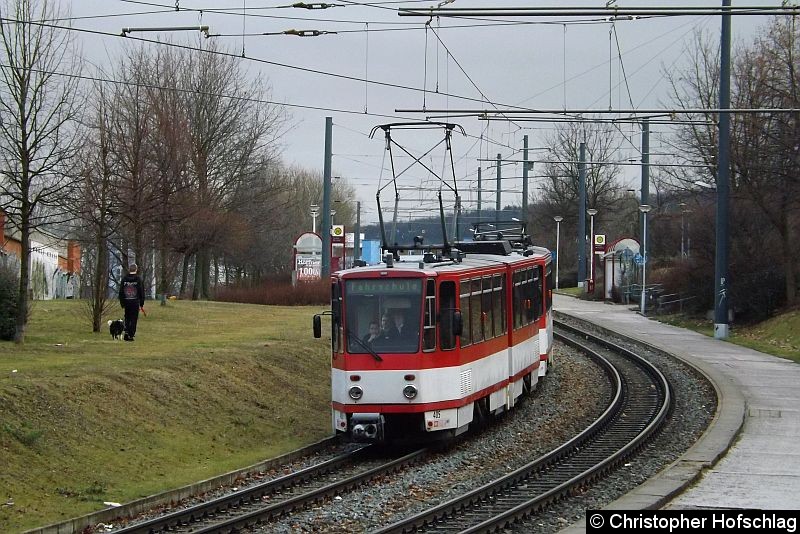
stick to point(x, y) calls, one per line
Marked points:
point(749, 457)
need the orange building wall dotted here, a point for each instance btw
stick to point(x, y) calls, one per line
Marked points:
point(6, 243)
point(73, 257)
point(71, 263)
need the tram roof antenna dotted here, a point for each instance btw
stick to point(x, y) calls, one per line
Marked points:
point(448, 128)
point(384, 242)
point(446, 244)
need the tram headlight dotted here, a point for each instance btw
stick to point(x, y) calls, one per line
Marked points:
point(410, 391)
point(356, 392)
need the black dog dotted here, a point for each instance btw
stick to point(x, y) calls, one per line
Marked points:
point(116, 328)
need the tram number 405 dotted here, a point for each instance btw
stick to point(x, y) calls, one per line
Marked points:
point(437, 414)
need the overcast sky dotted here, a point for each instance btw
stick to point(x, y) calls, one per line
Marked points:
point(545, 63)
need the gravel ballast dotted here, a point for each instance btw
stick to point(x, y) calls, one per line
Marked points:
point(572, 395)
point(566, 401)
point(551, 416)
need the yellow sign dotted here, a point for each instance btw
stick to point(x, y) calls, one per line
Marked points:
point(600, 239)
point(337, 230)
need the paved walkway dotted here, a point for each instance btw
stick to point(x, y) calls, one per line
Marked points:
point(759, 400)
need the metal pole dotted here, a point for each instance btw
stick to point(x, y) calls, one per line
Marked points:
point(499, 187)
point(643, 209)
point(326, 200)
point(524, 214)
point(683, 233)
point(357, 236)
point(643, 297)
point(582, 216)
point(558, 248)
point(480, 213)
point(558, 219)
point(688, 239)
point(723, 177)
point(592, 213)
point(645, 191)
point(574, 113)
point(611, 12)
point(591, 246)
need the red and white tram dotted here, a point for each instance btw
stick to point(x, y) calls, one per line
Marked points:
point(476, 335)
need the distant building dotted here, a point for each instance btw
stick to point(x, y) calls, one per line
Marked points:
point(55, 262)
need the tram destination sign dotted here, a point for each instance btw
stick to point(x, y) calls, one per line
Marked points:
point(392, 286)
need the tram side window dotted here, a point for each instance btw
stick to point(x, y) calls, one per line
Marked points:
point(498, 308)
point(475, 311)
point(539, 290)
point(466, 335)
point(530, 297)
point(499, 301)
point(429, 328)
point(534, 295)
point(549, 288)
point(447, 301)
point(488, 310)
point(523, 298)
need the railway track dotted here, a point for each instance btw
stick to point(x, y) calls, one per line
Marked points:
point(278, 497)
point(640, 404)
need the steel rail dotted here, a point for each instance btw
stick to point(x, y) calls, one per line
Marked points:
point(262, 515)
point(237, 499)
point(528, 475)
point(524, 510)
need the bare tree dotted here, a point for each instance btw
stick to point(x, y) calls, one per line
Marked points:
point(695, 139)
point(136, 177)
point(233, 133)
point(169, 154)
point(38, 111)
point(559, 192)
point(560, 188)
point(97, 204)
point(765, 153)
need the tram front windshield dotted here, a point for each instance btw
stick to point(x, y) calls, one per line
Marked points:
point(392, 306)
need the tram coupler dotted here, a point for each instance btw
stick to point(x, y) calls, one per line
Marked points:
point(366, 426)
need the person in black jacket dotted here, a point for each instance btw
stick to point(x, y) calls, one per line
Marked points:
point(131, 298)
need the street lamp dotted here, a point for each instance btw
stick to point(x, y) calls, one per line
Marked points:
point(314, 213)
point(644, 208)
point(592, 212)
point(558, 219)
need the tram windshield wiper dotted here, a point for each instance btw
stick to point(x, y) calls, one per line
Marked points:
point(353, 337)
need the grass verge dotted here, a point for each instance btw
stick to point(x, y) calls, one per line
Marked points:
point(207, 387)
point(779, 336)
point(571, 291)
